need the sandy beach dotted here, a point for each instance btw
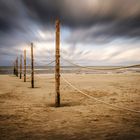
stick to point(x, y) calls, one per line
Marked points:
point(29, 114)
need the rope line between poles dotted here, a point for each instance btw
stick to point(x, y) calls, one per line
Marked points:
point(118, 68)
point(50, 63)
point(89, 96)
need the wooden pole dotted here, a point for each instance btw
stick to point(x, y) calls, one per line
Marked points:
point(14, 71)
point(57, 65)
point(17, 67)
point(24, 65)
point(14, 68)
point(32, 66)
point(20, 66)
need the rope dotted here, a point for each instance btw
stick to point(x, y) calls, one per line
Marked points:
point(51, 62)
point(28, 70)
point(89, 96)
point(101, 68)
point(46, 64)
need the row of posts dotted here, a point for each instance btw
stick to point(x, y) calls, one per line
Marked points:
point(19, 73)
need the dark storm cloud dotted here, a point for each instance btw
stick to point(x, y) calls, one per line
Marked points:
point(89, 21)
point(12, 20)
point(124, 15)
point(104, 33)
point(16, 27)
point(11, 14)
point(81, 12)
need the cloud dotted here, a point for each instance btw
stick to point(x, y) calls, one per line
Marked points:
point(87, 26)
point(91, 21)
point(83, 12)
point(122, 16)
point(100, 20)
point(117, 52)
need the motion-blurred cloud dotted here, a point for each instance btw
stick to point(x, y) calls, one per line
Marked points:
point(87, 26)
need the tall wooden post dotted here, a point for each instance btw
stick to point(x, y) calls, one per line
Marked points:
point(24, 65)
point(32, 66)
point(17, 67)
point(57, 65)
point(14, 70)
point(20, 66)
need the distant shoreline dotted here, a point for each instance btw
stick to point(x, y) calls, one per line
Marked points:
point(72, 69)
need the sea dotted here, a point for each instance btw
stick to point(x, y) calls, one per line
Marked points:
point(4, 70)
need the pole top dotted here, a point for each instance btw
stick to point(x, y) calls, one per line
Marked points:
point(57, 25)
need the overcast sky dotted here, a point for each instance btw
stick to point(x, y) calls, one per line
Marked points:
point(93, 32)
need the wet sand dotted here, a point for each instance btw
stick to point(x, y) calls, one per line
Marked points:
point(29, 114)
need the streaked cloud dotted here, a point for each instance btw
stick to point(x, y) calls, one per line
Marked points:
point(94, 32)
